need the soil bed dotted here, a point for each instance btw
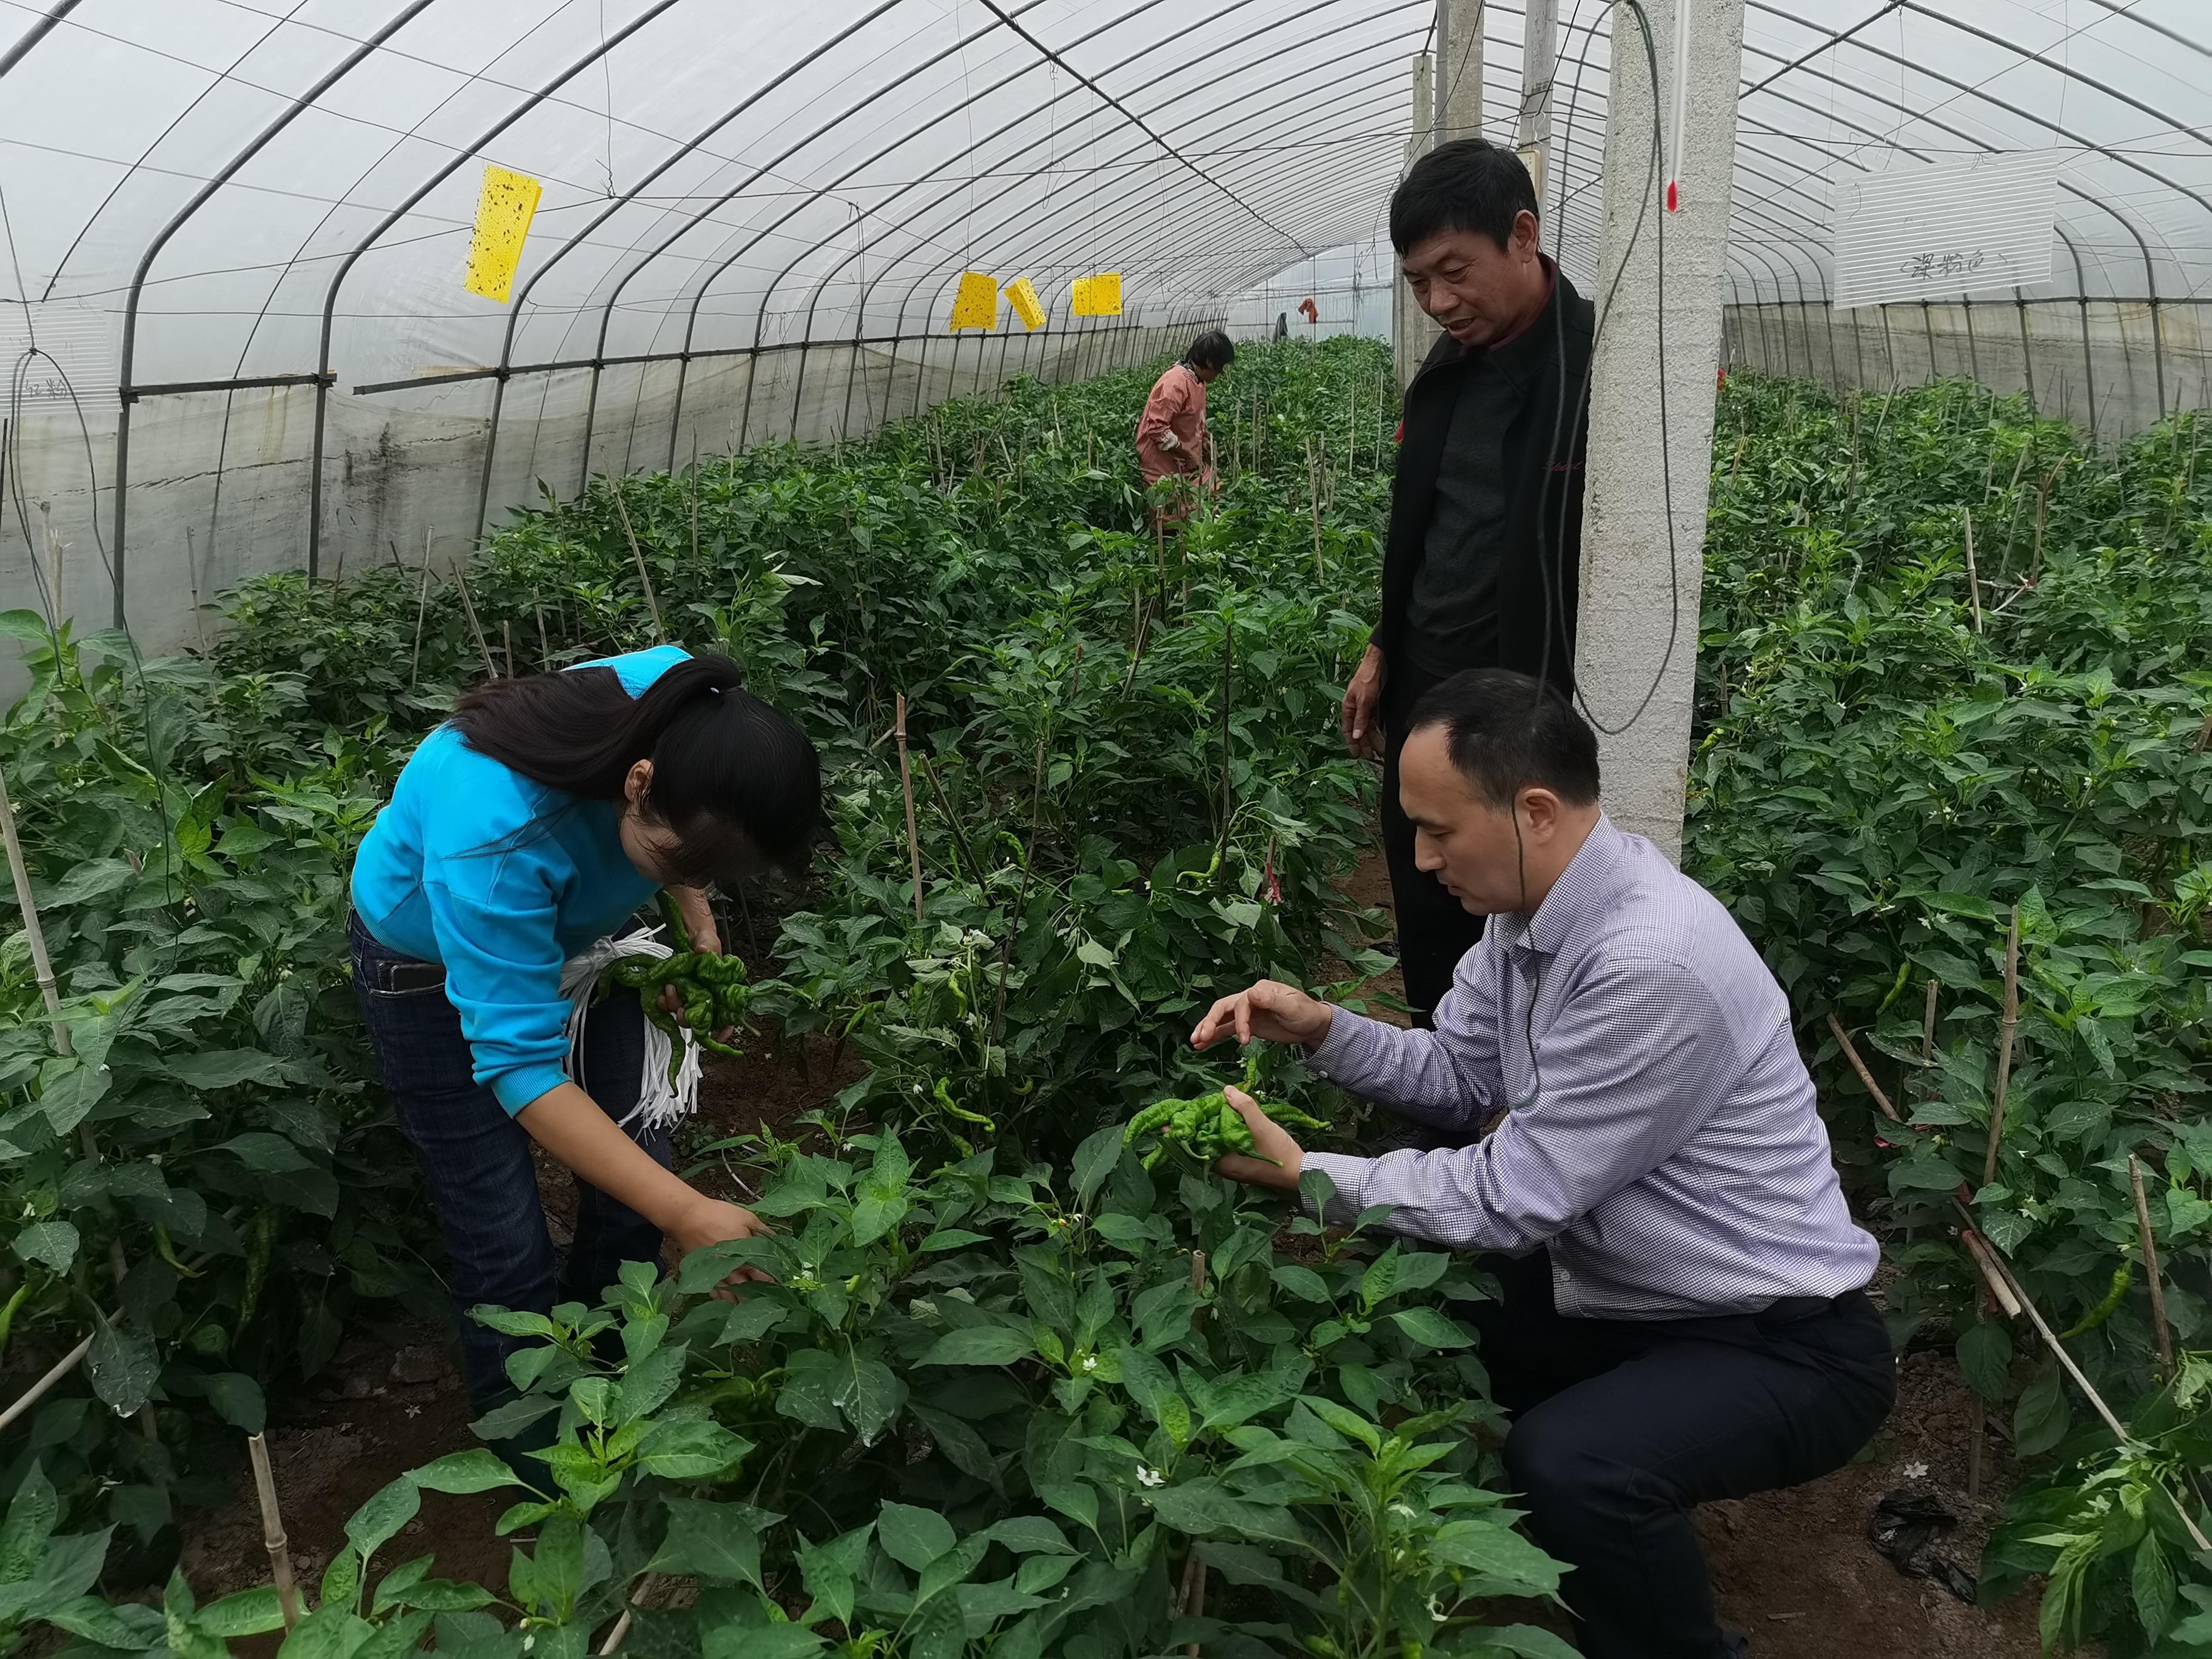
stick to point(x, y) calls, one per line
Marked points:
point(1793, 1569)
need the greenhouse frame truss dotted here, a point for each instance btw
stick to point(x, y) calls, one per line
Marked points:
point(235, 229)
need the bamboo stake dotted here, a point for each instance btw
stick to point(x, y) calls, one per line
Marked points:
point(272, 1530)
point(42, 967)
point(469, 610)
point(2042, 510)
point(1860, 1066)
point(1973, 578)
point(1313, 484)
point(2006, 1027)
point(53, 562)
point(2088, 1388)
point(1978, 1248)
point(422, 601)
point(1228, 796)
point(2150, 1267)
point(694, 499)
point(192, 578)
point(506, 633)
point(1977, 1429)
point(659, 634)
point(545, 651)
point(906, 786)
point(61, 1368)
point(1928, 1028)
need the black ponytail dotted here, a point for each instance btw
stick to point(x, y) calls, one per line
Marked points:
point(732, 780)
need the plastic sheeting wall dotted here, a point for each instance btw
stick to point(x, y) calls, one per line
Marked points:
point(400, 467)
point(2112, 368)
point(275, 197)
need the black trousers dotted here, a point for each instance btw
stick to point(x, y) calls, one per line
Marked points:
point(1619, 1426)
point(1433, 932)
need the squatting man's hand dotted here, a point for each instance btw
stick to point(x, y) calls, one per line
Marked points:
point(1272, 1012)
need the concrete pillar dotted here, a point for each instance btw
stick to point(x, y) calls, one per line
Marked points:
point(1459, 70)
point(1411, 333)
point(1532, 132)
point(1636, 645)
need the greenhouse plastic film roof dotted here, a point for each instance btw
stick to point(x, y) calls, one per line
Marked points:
point(202, 194)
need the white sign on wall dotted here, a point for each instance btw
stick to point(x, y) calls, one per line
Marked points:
point(1928, 232)
point(76, 353)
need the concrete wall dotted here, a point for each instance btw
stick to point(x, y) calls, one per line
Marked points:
point(2111, 368)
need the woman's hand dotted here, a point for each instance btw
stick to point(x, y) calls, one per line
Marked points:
point(708, 1221)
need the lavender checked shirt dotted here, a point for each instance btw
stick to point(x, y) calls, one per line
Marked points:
point(1670, 1154)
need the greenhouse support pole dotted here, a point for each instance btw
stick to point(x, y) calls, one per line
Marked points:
point(1459, 70)
point(1663, 266)
point(1411, 333)
point(1540, 53)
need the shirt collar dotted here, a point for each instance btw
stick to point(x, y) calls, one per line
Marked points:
point(1583, 891)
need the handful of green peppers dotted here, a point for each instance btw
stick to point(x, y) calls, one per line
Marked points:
point(712, 990)
point(1206, 1128)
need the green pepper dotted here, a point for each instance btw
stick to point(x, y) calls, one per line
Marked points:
point(2123, 1276)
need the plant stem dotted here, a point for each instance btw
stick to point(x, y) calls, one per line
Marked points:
point(905, 786)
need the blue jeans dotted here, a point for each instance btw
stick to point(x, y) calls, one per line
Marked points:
point(478, 1161)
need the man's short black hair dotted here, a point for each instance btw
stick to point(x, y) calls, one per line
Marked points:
point(1506, 733)
point(1211, 349)
point(1469, 184)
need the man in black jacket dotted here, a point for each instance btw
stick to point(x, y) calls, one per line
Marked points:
point(1485, 550)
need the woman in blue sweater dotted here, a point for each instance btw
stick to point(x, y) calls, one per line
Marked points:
point(522, 833)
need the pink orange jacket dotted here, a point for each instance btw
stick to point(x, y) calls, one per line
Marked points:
point(1177, 404)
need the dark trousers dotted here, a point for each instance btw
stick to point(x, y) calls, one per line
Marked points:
point(478, 1158)
point(1433, 931)
point(1619, 1426)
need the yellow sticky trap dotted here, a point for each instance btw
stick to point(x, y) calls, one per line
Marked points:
point(976, 305)
point(503, 215)
point(1022, 297)
point(1099, 295)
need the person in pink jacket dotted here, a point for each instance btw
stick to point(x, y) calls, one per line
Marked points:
point(1172, 441)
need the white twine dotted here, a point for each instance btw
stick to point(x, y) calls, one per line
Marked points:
point(660, 1104)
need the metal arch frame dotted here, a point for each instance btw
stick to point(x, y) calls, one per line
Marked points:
point(40, 29)
point(1045, 260)
point(124, 390)
point(2073, 252)
point(675, 156)
point(2150, 275)
point(615, 296)
point(952, 186)
point(1054, 58)
point(650, 15)
point(1875, 97)
point(1043, 263)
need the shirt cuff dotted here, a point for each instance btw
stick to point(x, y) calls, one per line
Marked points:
point(1350, 1176)
point(1348, 1052)
point(520, 1088)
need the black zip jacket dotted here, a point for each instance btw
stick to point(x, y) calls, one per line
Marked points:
point(1544, 453)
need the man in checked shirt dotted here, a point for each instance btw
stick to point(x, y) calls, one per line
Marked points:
point(1684, 1314)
